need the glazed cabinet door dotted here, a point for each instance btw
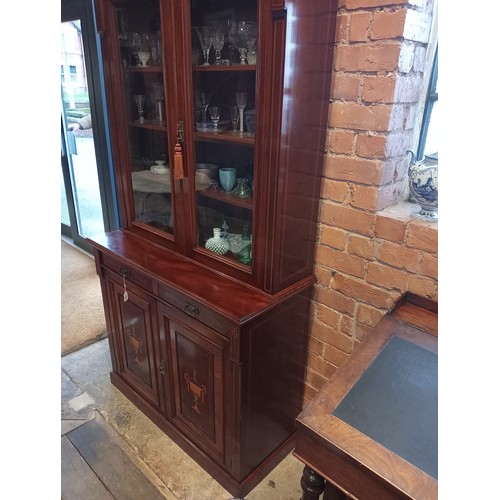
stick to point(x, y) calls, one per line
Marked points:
point(196, 356)
point(139, 51)
point(221, 80)
point(133, 327)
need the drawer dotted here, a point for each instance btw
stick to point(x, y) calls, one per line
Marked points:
point(131, 274)
point(195, 310)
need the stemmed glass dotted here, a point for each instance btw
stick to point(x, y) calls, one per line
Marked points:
point(239, 33)
point(215, 115)
point(139, 100)
point(217, 38)
point(202, 101)
point(241, 102)
point(205, 41)
point(234, 117)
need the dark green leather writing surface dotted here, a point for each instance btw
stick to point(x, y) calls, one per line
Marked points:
point(395, 402)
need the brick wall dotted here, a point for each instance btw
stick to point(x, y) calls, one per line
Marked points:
point(369, 250)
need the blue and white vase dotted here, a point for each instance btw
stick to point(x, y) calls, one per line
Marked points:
point(423, 180)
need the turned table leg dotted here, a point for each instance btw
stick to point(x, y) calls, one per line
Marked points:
point(312, 484)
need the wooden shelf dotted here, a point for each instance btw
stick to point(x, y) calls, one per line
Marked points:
point(226, 136)
point(145, 69)
point(231, 67)
point(149, 124)
point(220, 195)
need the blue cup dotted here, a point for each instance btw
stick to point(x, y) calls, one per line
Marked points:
point(227, 177)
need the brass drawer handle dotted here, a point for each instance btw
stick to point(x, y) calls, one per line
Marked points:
point(191, 310)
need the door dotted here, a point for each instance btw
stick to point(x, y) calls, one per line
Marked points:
point(133, 335)
point(87, 192)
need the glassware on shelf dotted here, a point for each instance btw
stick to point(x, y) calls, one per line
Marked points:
point(242, 189)
point(140, 100)
point(227, 177)
point(202, 102)
point(240, 32)
point(235, 116)
point(241, 102)
point(217, 38)
point(143, 57)
point(217, 244)
point(245, 254)
point(159, 101)
point(203, 33)
point(215, 115)
point(156, 48)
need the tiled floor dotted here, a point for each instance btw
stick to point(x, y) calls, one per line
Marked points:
point(87, 394)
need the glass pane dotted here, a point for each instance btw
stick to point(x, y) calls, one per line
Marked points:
point(140, 36)
point(224, 55)
point(79, 134)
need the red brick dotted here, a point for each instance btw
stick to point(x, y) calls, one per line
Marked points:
point(347, 218)
point(334, 190)
point(420, 285)
point(360, 246)
point(360, 290)
point(383, 57)
point(388, 24)
point(328, 316)
point(345, 87)
point(359, 4)
point(323, 275)
point(364, 197)
point(371, 146)
point(342, 142)
point(341, 29)
point(315, 346)
point(347, 325)
point(315, 380)
point(340, 261)
point(347, 168)
point(319, 365)
point(369, 315)
point(423, 236)
point(399, 256)
point(331, 336)
point(333, 237)
point(379, 89)
point(360, 23)
point(390, 229)
point(429, 266)
point(335, 356)
point(385, 276)
point(351, 115)
point(335, 300)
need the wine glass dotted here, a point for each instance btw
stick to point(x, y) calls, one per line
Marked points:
point(241, 102)
point(205, 41)
point(239, 33)
point(139, 100)
point(215, 115)
point(202, 101)
point(235, 114)
point(217, 38)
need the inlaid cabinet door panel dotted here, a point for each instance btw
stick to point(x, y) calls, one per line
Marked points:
point(133, 339)
point(197, 365)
